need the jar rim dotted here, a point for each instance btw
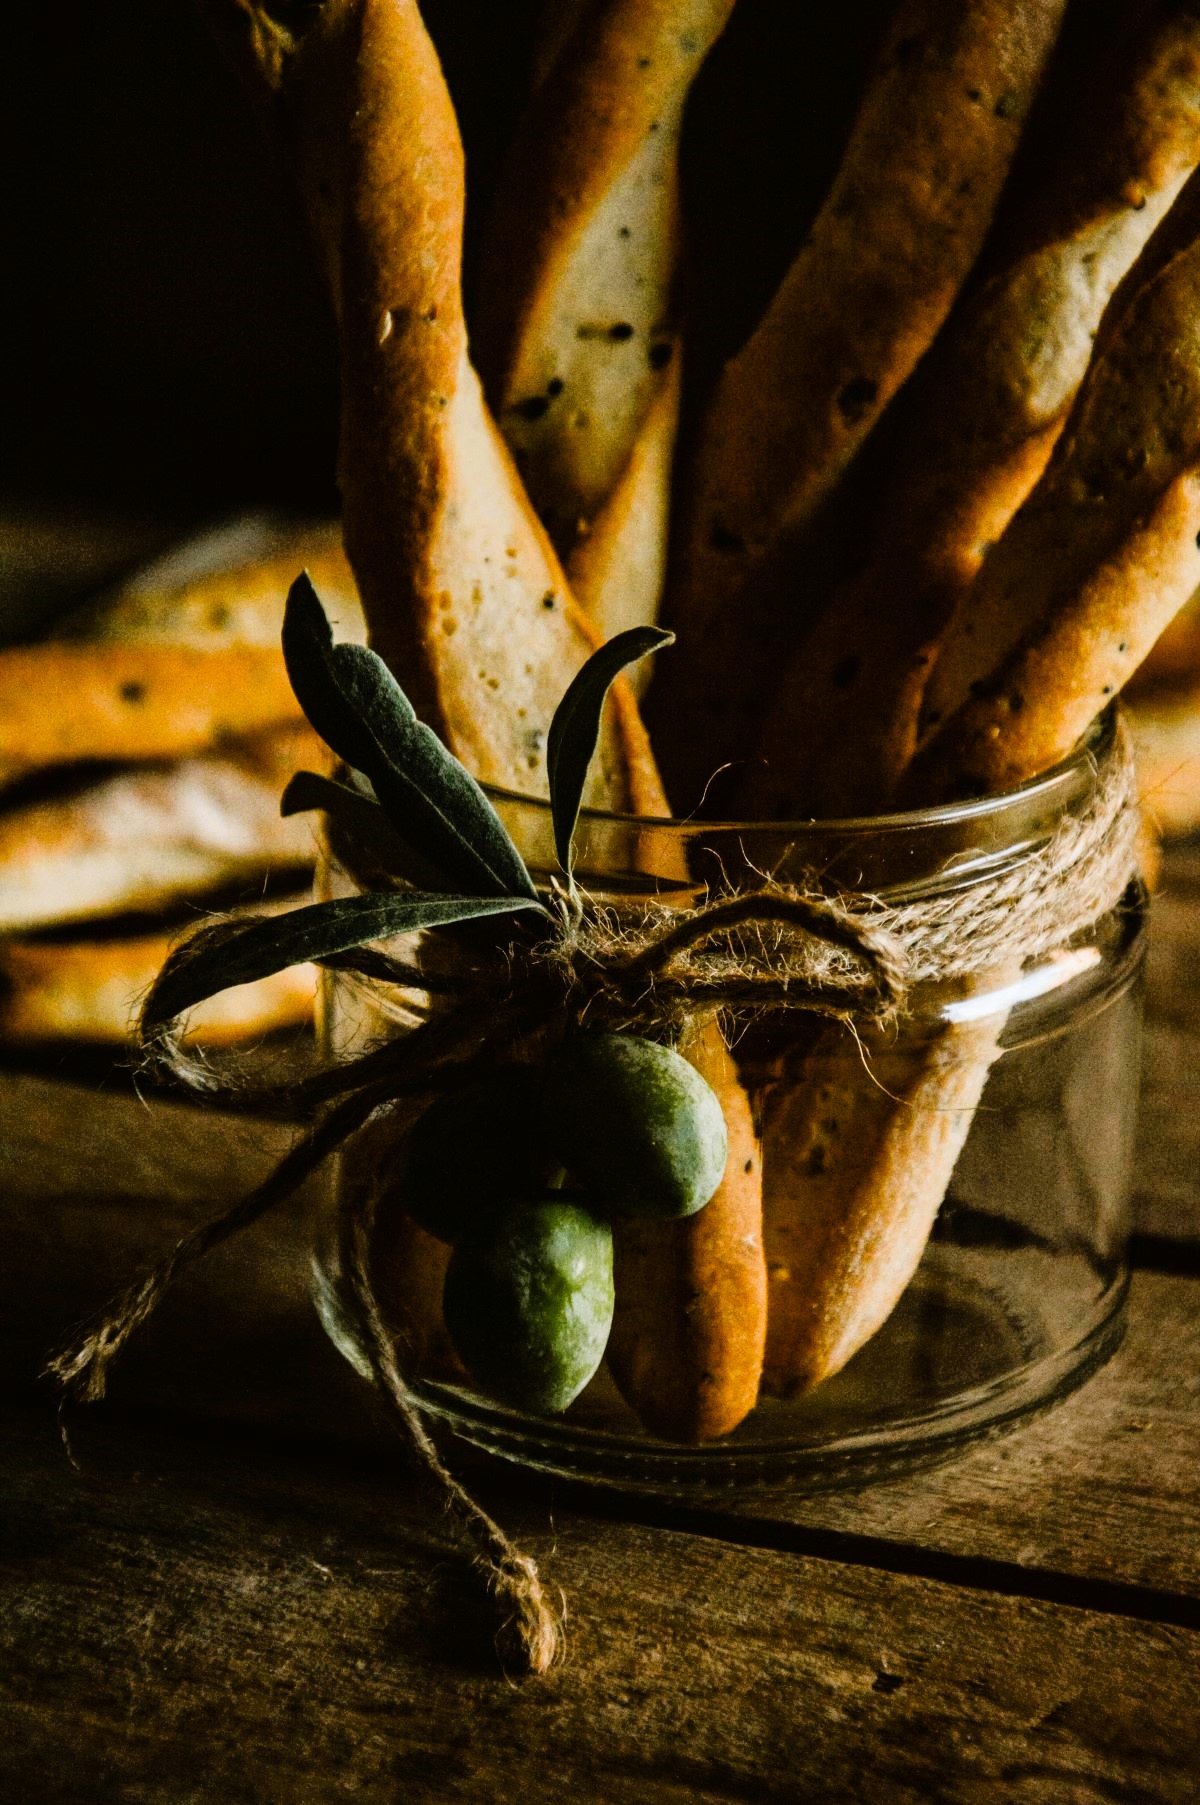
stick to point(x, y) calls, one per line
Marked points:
point(1060, 783)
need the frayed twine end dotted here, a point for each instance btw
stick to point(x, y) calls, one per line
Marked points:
point(532, 1638)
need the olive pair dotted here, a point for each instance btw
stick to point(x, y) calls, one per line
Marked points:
point(528, 1299)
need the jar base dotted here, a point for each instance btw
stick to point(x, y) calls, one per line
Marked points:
point(965, 1356)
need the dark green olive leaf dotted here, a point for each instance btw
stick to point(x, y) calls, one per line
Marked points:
point(357, 819)
point(307, 653)
point(575, 729)
point(440, 795)
point(237, 953)
point(358, 708)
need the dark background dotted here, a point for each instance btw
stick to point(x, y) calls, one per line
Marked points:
point(165, 341)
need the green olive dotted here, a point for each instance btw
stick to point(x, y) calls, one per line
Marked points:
point(472, 1149)
point(528, 1302)
point(635, 1125)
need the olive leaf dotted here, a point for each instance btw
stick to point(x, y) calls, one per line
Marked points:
point(575, 729)
point(228, 954)
point(360, 711)
point(359, 819)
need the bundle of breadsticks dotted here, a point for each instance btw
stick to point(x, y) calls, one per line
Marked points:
point(913, 535)
point(142, 753)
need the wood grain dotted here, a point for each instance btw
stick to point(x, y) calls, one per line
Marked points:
point(188, 1625)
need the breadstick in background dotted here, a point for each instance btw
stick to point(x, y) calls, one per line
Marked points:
point(978, 426)
point(239, 603)
point(558, 20)
point(1098, 560)
point(870, 288)
point(463, 594)
point(617, 567)
point(140, 838)
point(578, 335)
point(91, 990)
point(62, 700)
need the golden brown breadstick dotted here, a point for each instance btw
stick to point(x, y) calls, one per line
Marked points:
point(617, 567)
point(462, 592)
point(1173, 666)
point(979, 426)
point(62, 701)
point(1095, 564)
point(690, 1324)
point(855, 1165)
point(91, 990)
point(239, 604)
point(871, 286)
point(140, 838)
point(577, 326)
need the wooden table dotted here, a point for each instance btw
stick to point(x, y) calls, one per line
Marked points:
point(235, 1593)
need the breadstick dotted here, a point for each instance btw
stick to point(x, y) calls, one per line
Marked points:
point(617, 567)
point(1098, 560)
point(62, 701)
point(855, 1167)
point(690, 1324)
point(238, 604)
point(557, 22)
point(90, 990)
point(1172, 668)
point(870, 288)
point(462, 592)
point(140, 838)
point(979, 427)
point(577, 330)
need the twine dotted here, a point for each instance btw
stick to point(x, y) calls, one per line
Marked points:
point(854, 958)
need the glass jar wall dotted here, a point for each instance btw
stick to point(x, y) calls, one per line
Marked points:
point(930, 1226)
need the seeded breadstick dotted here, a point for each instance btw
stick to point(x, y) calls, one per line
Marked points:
point(136, 840)
point(163, 668)
point(617, 567)
point(1071, 598)
point(239, 604)
point(871, 286)
point(979, 427)
point(1093, 567)
point(62, 701)
point(855, 1167)
point(91, 990)
point(577, 329)
point(462, 592)
point(579, 342)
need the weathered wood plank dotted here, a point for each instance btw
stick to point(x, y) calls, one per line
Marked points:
point(1107, 1486)
point(187, 1622)
point(1104, 1486)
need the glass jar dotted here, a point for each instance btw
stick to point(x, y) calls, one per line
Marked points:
point(945, 1203)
